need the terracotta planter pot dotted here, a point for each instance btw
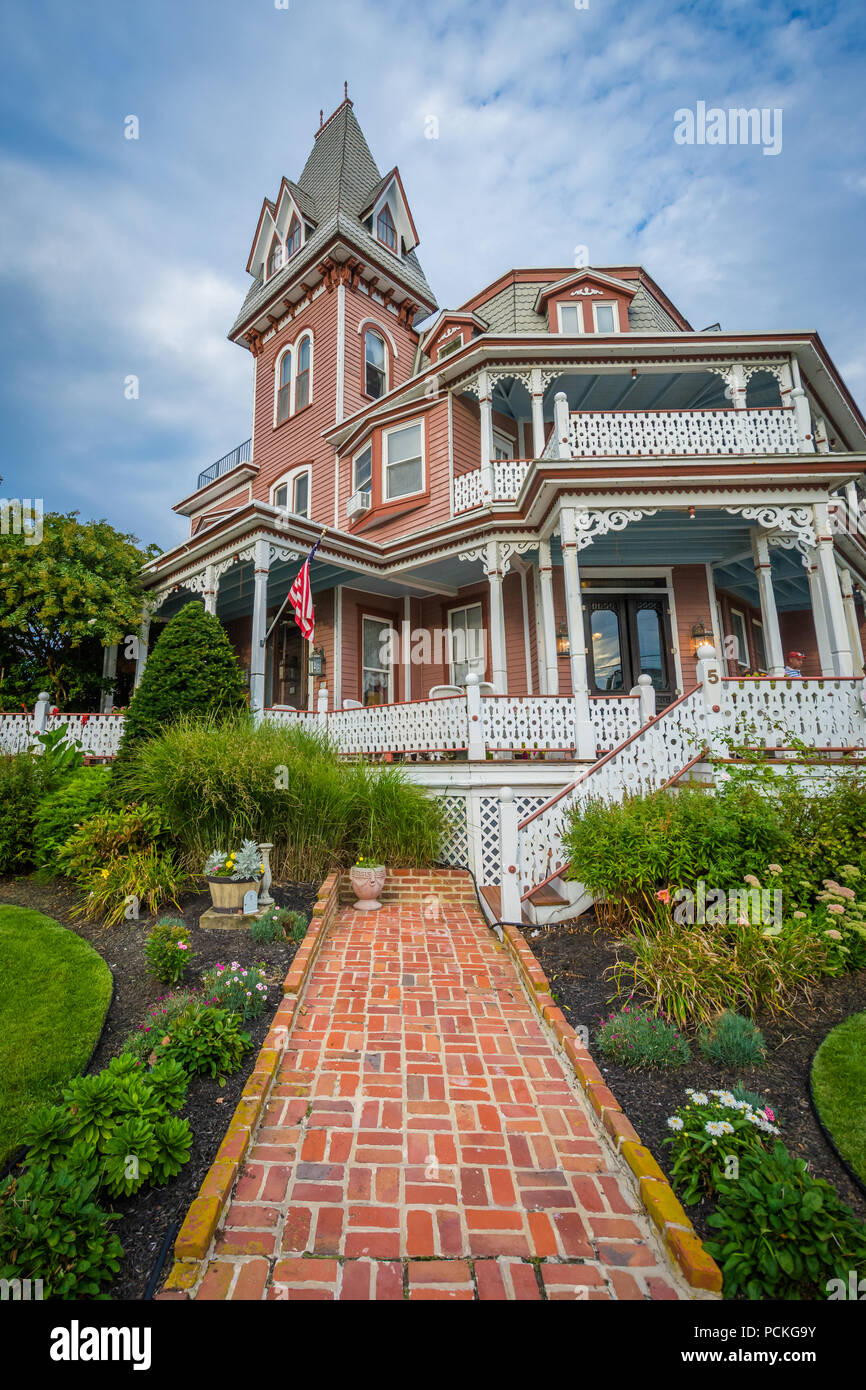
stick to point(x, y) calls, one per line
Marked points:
point(367, 884)
point(228, 896)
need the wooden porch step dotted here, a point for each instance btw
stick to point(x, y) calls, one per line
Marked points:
point(546, 896)
point(492, 895)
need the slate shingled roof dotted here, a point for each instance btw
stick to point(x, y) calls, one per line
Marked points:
point(337, 182)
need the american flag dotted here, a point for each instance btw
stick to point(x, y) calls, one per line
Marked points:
point(301, 596)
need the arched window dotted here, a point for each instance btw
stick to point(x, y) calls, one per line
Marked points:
point(385, 229)
point(293, 240)
point(303, 376)
point(284, 386)
point(275, 256)
point(375, 364)
point(293, 493)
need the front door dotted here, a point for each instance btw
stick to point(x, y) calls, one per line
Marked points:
point(288, 661)
point(628, 635)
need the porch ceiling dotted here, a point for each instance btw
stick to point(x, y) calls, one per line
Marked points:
point(619, 390)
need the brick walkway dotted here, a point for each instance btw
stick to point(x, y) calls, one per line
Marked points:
point(423, 1138)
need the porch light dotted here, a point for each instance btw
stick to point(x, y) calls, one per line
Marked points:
point(563, 645)
point(317, 662)
point(701, 634)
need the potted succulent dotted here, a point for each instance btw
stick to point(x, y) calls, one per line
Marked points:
point(367, 877)
point(232, 875)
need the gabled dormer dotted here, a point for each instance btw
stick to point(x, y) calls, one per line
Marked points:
point(450, 331)
point(388, 218)
point(282, 230)
point(589, 301)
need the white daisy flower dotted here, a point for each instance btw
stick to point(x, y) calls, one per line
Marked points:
point(674, 1122)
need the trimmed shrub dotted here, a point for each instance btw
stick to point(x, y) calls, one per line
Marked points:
point(733, 1042)
point(206, 1040)
point(63, 810)
point(51, 1229)
point(638, 1038)
point(192, 670)
point(22, 784)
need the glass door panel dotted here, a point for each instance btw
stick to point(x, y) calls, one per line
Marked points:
point(606, 646)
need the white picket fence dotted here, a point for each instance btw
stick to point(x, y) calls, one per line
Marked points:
point(99, 735)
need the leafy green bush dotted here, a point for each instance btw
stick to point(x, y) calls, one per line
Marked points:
point(115, 1126)
point(626, 850)
point(218, 783)
point(241, 990)
point(204, 1039)
point(637, 1038)
point(51, 1229)
point(784, 1234)
point(278, 923)
point(711, 1128)
point(141, 1043)
point(168, 950)
point(109, 835)
point(22, 784)
point(733, 1041)
point(192, 670)
point(64, 809)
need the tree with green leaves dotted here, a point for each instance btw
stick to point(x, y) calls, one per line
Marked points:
point(192, 670)
point(66, 592)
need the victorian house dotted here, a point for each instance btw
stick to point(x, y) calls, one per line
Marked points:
point(557, 492)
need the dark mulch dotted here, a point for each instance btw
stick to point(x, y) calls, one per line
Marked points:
point(575, 956)
point(149, 1216)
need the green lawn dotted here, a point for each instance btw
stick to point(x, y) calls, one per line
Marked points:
point(54, 993)
point(839, 1087)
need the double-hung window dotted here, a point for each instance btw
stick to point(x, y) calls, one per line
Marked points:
point(377, 671)
point(362, 470)
point(293, 495)
point(605, 316)
point(375, 364)
point(403, 461)
point(304, 370)
point(284, 386)
point(570, 319)
point(385, 229)
point(467, 643)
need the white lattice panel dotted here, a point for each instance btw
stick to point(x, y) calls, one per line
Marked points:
point(455, 844)
point(467, 491)
point(16, 731)
point(508, 475)
point(670, 432)
point(491, 848)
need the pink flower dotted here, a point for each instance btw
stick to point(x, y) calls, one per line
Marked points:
point(769, 1114)
point(664, 895)
point(836, 908)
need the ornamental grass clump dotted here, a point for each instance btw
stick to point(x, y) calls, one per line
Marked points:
point(639, 1038)
point(711, 1137)
point(733, 1042)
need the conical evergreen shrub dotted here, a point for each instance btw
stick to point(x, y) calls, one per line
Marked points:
point(192, 670)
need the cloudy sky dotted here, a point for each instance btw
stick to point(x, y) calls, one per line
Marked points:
point(555, 130)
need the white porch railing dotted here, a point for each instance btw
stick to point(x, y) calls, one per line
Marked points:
point(824, 713)
point(504, 724)
point(508, 475)
point(664, 433)
point(98, 734)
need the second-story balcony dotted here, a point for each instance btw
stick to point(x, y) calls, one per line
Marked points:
point(594, 434)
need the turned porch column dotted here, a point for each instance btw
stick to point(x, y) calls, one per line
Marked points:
point(485, 405)
point(584, 734)
point(851, 619)
point(819, 618)
point(537, 399)
point(210, 589)
point(141, 650)
point(837, 625)
point(497, 618)
point(261, 566)
point(769, 613)
point(109, 672)
point(548, 671)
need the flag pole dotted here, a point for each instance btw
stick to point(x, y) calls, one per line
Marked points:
point(286, 599)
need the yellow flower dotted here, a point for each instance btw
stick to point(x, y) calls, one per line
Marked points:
point(105, 873)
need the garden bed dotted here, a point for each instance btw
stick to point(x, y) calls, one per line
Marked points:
point(150, 1215)
point(575, 956)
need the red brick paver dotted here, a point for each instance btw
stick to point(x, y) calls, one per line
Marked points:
point(423, 1139)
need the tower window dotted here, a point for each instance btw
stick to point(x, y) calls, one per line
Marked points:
point(385, 229)
point(375, 365)
point(284, 386)
point(293, 240)
point(275, 259)
point(302, 380)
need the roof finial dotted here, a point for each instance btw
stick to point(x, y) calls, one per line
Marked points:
point(345, 91)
